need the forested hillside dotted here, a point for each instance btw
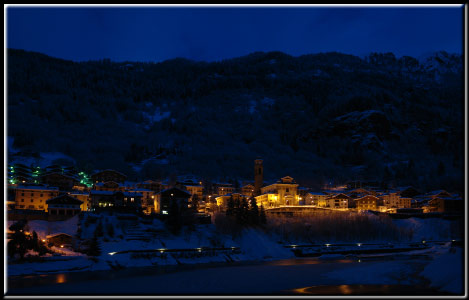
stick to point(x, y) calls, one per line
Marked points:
point(319, 117)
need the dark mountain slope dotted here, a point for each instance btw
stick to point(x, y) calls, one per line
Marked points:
point(314, 117)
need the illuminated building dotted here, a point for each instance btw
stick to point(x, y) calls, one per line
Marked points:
point(283, 192)
point(64, 205)
point(34, 197)
point(258, 176)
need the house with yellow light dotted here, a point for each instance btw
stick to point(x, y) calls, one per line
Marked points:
point(338, 201)
point(148, 199)
point(195, 189)
point(368, 202)
point(394, 200)
point(34, 197)
point(223, 188)
point(315, 198)
point(248, 190)
point(111, 186)
point(83, 197)
point(222, 201)
point(283, 192)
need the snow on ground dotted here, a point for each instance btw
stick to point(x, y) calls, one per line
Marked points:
point(44, 228)
point(254, 244)
point(428, 229)
point(446, 271)
point(45, 159)
point(258, 245)
point(388, 272)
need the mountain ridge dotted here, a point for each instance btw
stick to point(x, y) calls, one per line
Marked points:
point(212, 119)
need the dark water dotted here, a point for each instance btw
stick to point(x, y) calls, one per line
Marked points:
point(18, 285)
point(366, 290)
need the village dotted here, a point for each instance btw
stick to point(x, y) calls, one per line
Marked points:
point(58, 193)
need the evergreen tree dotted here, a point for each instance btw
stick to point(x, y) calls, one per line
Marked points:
point(34, 242)
point(174, 218)
point(99, 229)
point(195, 202)
point(79, 231)
point(94, 249)
point(244, 212)
point(262, 217)
point(253, 211)
point(237, 211)
point(18, 243)
point(110, 230)
point(230, 207)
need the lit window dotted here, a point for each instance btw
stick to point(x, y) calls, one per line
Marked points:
point(164, 212)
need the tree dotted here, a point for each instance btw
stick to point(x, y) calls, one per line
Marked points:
point(230, 206)
point(18, 243)
point(237, 210)
point(253, 211)
point(174, 218)
point(262, 217)
point(195, 202)
point(110, 230)
point(99, 229)
point(243, 212)
point(94, 248)
point(34, 242)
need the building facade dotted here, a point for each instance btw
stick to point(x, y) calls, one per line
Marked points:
point(61, 181)
point(34, 197)
point(222, 201)
point(284, 191)
point(168, 196)
point(258, 176)
point(368, 202)
point(64, 205)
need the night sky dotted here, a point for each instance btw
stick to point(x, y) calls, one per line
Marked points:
point(214, 33)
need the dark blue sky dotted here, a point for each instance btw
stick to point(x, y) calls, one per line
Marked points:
point(211, 33)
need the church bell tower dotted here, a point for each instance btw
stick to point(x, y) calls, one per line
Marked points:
point(258, 176)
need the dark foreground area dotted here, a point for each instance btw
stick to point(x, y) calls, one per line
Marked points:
point(396, 274)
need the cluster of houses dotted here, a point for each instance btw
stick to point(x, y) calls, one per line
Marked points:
point(63, 195)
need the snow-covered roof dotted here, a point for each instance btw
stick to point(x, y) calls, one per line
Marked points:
point(175, 188)
point(199, 186)
point(33, 187)
point(95, 192)
point(366, 196)
point(433, 193)
point(141, 190)
point(56, 234)
point(131, 194)
point(60, 174)
point(64, 199)
point(318, 193)
point(108, 170)
point(231, 194)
